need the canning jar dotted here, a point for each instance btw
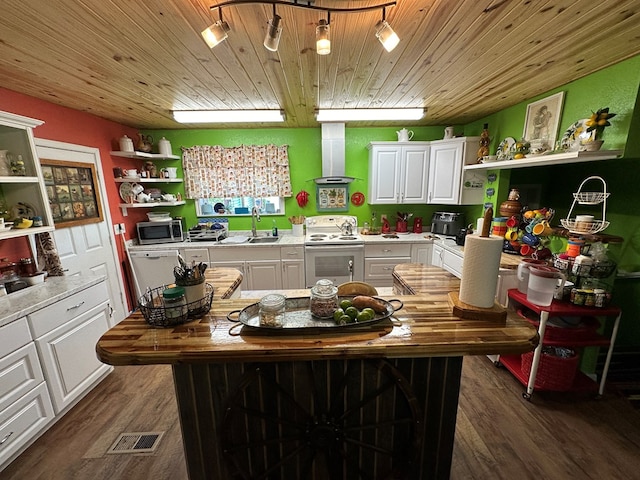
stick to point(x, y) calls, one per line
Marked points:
point(272, 310)
point(324, 299)
point(175, 303)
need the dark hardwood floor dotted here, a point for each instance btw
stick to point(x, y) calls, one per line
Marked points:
point(499, 434)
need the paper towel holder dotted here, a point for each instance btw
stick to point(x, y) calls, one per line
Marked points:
point(497, 312)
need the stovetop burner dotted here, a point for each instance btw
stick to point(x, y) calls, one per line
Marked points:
point(330, 230)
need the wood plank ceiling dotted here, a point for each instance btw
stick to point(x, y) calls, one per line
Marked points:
point(135, 62)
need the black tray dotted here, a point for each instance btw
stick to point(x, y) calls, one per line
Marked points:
point(298, 317)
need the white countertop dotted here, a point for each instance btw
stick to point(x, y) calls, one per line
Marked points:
point(28, 300)
point(286, 239)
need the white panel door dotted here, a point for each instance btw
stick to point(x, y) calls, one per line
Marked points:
point(416, 169)
point(445, 172)
point(88, 249)
point(385, 171)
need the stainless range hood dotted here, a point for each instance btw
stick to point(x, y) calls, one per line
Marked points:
point(333, 154)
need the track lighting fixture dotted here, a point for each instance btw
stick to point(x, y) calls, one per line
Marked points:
point(388, 38)
point(323, 42)
point(217, 32)
point(274, 30)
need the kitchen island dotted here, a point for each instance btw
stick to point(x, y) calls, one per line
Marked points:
point(374, 402)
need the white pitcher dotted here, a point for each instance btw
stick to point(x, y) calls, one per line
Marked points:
point(404, 135)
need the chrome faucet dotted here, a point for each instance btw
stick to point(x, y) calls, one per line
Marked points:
point(255, 217)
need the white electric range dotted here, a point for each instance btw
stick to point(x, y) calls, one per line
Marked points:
point(333, 249)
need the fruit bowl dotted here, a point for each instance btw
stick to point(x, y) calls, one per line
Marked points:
point(539, 215)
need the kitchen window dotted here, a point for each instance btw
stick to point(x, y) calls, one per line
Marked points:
point(239, 206)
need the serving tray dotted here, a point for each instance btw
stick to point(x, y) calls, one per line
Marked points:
point(298, 317)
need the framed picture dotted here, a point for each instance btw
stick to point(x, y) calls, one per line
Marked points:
point(332, 198)
point(72, 191)
point(542, 120)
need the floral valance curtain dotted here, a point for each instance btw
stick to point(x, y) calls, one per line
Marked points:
point(213, 171)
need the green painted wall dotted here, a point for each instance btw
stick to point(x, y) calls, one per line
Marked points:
point(617, 87)
point(306, 164)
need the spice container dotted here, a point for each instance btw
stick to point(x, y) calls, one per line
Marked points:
point(175, 303)
point(324, 299)
point(272, 310)
point(27, 267)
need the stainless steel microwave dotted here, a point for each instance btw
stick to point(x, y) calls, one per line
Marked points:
point(160, 232)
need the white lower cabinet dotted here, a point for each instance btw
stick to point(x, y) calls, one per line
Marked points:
point(381, 259)
point(437, 257)
point(421, 253)
point(25, 405)
point(260, 266)
point(66, 334)
point(292, 267)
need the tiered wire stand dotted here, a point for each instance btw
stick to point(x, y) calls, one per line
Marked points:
point(588, 198)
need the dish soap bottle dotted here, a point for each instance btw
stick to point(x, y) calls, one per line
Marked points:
point(274, 229)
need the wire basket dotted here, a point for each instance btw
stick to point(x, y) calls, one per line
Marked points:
point(585, 228)
point(590, 198)
point(554, 372)
point(155, 312)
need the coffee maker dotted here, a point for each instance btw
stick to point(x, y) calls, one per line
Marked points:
point(417, 225)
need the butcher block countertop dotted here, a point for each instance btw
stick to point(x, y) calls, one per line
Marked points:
point(424, 327)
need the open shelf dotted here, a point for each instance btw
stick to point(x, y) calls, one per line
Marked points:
point(125, 206)
point(147, 180)
point(143, 155)
point(545, 160)
point(513, 363)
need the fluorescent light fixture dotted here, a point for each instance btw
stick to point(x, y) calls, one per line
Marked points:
point(369, 114)
point(388, 38)
point(228, 116)
point(216, 33)
point(323, 43)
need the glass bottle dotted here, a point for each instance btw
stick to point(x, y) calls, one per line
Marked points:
point(324, 299)
point(272, 310)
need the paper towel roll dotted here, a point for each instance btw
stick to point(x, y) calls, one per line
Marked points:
point(480, 268)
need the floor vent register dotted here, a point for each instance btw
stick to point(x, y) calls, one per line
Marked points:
point(136, 442)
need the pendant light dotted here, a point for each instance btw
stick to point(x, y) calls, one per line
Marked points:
point(388, 38)
point(274, 30)
point(323, 42)
point(216, 33)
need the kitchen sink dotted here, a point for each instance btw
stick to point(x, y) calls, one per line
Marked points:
point(264, 239)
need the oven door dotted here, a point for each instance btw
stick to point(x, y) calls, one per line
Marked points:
point(338, 263)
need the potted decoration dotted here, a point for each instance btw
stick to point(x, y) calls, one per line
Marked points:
point(596, 125)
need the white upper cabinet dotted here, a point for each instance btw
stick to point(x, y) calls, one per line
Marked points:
point(447, 183)
point(22, 190)
point(398, 172)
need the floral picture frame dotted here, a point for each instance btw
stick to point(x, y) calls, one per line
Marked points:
point(72, 189)
point(543, 119)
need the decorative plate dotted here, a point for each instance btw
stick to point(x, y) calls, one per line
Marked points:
point(357, 199)
point(574, 134)
point(126, 190)
point(505, 148)
point(23, 210)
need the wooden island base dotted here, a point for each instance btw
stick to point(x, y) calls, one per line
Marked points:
point(377, 402)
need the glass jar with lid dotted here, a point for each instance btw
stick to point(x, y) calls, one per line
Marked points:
point(272, 310)
point(324, 299)
point(175, 303)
